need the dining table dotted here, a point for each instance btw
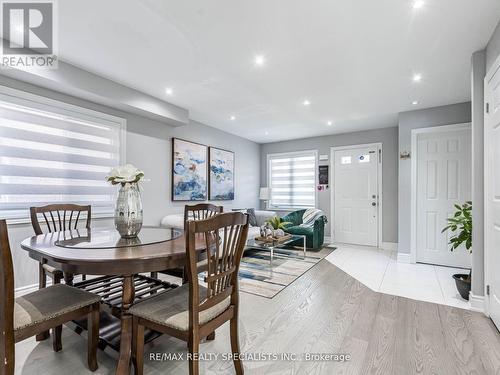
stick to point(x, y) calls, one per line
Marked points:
point(117, 266)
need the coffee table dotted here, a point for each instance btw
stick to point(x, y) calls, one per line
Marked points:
point(271, 246)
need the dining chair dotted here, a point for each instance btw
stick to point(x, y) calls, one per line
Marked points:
point(194, 310)
point(199, 211)
point(44, 309)
point(56, 218)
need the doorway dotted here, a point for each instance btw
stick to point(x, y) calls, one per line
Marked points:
point(356, 194)
point(441, 179)
point(492, 191)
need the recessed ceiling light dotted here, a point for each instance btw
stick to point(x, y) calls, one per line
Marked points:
point(266, 133)
point(232, 118)
point(306, 102)
point(417, 77)
point(329, 123)
point(415, 102)
point(169, 91)
point(260, 60)
point(417, 4)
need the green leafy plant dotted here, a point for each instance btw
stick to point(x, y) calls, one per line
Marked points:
point(461, 222)
point(276, 223)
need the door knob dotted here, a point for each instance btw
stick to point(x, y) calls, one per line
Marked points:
point(374, 204)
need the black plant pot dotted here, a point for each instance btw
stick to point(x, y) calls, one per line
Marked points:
point(463, 286)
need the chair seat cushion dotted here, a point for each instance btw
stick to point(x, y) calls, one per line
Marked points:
point(171, 309)
point(298, 230)
point(49, 303)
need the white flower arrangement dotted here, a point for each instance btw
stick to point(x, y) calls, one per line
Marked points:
point(125, 174)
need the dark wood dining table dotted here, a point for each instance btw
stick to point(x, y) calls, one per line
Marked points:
point(103, 252)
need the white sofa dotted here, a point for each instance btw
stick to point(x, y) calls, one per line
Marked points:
point(177, 221)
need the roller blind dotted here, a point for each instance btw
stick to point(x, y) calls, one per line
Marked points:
point(52, 152)
point(292, 178)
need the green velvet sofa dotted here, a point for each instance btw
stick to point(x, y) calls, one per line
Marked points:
point(315, 236)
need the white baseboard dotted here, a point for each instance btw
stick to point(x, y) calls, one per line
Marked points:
point(476, 302)
point(19, 292)
point(328, 240)
point(404, 258)
point(392, 246)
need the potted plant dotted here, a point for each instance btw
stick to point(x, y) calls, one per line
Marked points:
point(278, 225)
point(461, 222)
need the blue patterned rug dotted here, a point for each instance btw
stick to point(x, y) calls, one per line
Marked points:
point(258, 277)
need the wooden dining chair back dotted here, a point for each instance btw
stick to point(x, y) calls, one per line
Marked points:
point(56, 218)
point(39, 311)
point(225, 237)
point(200, 211)
point(195, 310)
point(6, 303)
point(59, 217)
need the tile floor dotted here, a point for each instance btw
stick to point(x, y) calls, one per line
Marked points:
point(379, 270)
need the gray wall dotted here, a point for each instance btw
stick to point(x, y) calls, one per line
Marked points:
point(424, 118)
point(148, 146)
point(477, 83)
point(387, 136)
point(493, 48)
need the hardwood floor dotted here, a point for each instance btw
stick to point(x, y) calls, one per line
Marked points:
point(324, 311)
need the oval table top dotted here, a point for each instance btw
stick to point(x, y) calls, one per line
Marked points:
point(99, 251)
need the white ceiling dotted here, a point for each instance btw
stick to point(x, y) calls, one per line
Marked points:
point(353, 59)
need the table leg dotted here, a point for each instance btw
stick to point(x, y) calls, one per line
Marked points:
point(304, 239)
point(126, 320)
point(68, 278)
point(272, 256)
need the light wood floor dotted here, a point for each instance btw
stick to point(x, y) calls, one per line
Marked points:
point(324, 311)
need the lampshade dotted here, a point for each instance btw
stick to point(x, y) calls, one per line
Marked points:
point(265, 193)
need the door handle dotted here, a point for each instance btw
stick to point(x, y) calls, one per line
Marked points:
point(374, 204)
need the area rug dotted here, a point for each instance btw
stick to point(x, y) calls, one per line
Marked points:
point(258, 277)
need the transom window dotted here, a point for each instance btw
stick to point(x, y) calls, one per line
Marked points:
point(292, 179)
point(53, 152)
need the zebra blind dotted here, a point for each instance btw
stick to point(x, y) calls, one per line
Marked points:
point(292, 179)
point(52, 152)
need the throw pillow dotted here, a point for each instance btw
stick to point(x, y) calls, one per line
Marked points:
point(252, 219)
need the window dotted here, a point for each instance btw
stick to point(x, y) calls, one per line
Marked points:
point(52, 152)
point(364, 158)
point(345, 160)
point(292, 179)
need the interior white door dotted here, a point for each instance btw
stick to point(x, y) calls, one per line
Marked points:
point(492, 191)
point(443, 180)
point(355, 187)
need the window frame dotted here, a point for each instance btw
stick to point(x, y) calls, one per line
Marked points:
point(41, 103)
point(271, 156)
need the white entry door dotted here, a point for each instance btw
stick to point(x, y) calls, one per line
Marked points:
point(443, 180)
point(492, 191)
point(355, 189)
